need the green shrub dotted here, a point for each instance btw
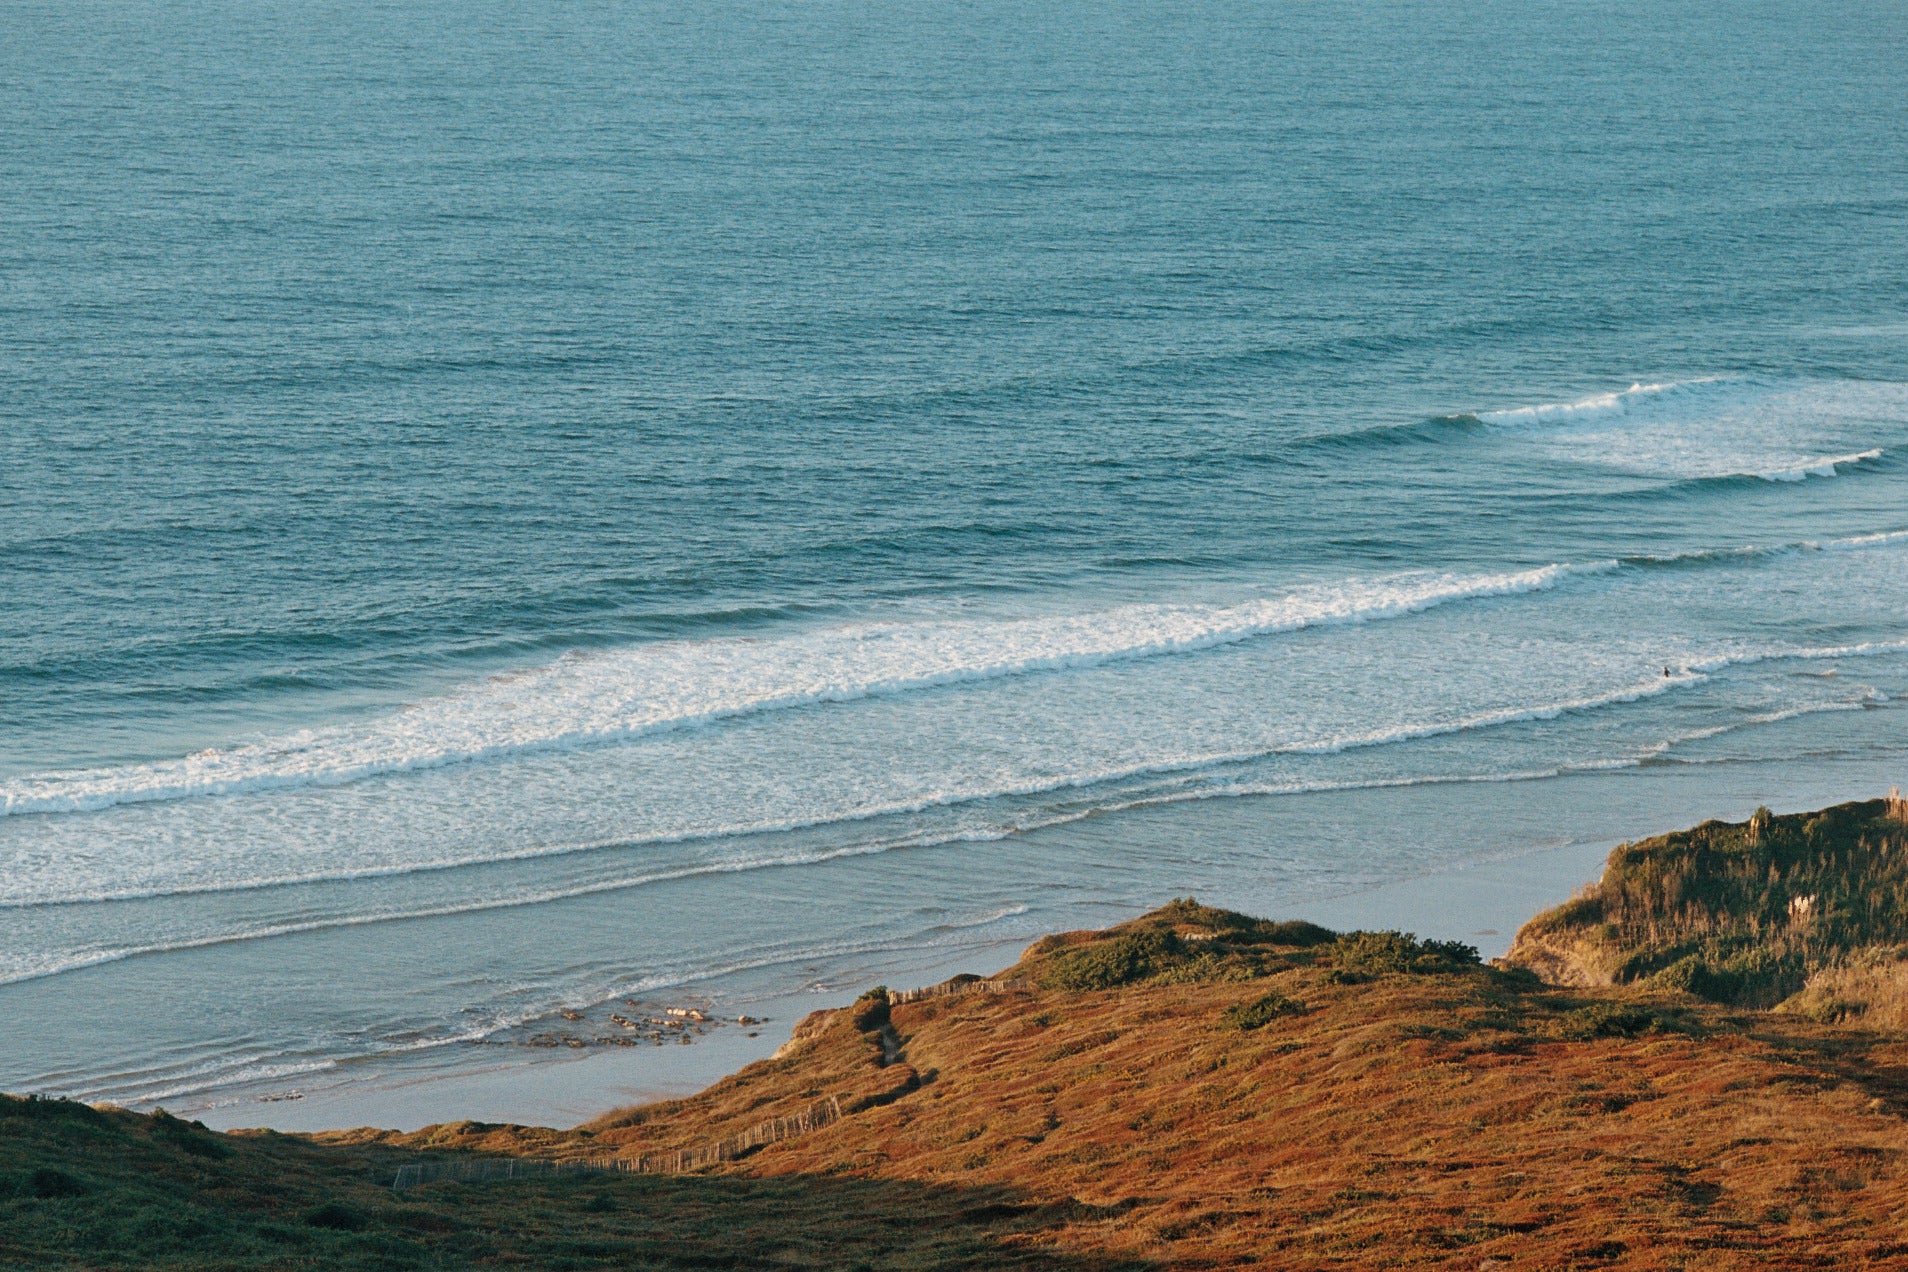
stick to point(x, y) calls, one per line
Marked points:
point(193, 1137)
point(1606, 1020)
point(48, 1184)
point(1516, 979)
point(1297, 932)
point(1206, 969)
point(1261, 1011)
point(1376, 953)
point(871, 1010)
point(336, 1215)
point(1753, 977)
point(1831, 1010)
point(48, 1108)
point(1691, 975)
point(1120, 961)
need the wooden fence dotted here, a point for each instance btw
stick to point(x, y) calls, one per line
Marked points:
point(948, 989)
point(481, 1169)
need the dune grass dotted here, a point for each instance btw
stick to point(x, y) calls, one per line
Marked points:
point(1742, 913)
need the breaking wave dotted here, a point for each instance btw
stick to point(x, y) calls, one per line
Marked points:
point(593, 699)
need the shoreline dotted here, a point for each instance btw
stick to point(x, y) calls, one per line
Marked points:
point(1451, 862)
point(1100, 1100)
point(1480, 903)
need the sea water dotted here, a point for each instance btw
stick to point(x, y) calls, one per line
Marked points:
point(504, 506)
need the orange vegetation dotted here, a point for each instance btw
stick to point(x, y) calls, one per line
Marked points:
point(1440, 1116)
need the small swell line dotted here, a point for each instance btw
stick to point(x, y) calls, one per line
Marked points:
point(95, 958)
point(134, 1088)
point(1596, 404)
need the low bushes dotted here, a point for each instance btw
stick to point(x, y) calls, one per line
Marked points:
point(1188, 943)
point(1365, 954)
point(1120, 961)
point(1261, 1011)
point(1605, 1020)
point(871, 1010)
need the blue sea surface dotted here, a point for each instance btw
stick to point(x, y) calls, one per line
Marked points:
point(506, 505)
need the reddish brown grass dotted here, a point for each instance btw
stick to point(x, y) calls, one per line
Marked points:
point(1413, 1121)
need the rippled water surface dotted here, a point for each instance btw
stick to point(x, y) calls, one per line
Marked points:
point(505, 505)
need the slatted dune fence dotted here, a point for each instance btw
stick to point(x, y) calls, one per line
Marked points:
point(483, 1169)
point(950, 989)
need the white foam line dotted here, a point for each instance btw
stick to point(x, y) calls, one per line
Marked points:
point(1817, 467)
point(1688, 674)
point(590, 700)
point(1815, 653)
point(1155, 768)
point(1649, 753)
point(1159, 768)
point(1872, 697)
point(1695, 673)
point(582, 701)
point(1755, 552)
point(1493, 719)
point(895, 808)
point(1859, 542)
point(95, 958)
point(1596, 404)
point(259, 1073)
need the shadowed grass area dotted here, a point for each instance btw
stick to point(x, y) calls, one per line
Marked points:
point(87, 1188)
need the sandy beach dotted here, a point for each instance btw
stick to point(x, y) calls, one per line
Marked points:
point(1483, 904)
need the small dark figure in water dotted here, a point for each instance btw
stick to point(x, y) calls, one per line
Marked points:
point(1666, 673)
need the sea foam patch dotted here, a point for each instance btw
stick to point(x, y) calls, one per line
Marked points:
point(1719, 427)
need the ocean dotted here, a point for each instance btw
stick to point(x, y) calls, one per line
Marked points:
point(506, 507)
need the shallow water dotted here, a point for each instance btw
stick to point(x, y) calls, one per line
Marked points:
point(508, 506)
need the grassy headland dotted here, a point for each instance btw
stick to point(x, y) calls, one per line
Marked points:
point(1193, 1089)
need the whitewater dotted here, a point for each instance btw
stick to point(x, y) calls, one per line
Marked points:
point(584, 700)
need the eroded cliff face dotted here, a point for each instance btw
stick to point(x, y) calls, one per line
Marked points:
point(1570, 944)
point(1560, 956)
